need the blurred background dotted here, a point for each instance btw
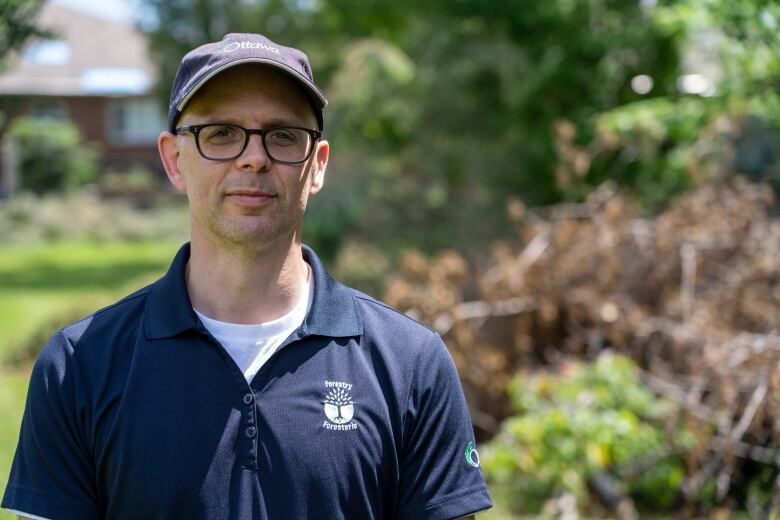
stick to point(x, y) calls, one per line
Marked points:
point(579, 195)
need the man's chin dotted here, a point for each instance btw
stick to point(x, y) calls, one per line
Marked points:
point(250, 231)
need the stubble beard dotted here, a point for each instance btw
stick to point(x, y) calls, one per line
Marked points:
point(242, 232)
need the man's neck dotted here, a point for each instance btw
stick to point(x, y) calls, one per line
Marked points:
point(245, 286)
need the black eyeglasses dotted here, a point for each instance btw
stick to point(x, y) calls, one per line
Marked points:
point(223, 142)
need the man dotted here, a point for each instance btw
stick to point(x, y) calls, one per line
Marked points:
point(246, 383)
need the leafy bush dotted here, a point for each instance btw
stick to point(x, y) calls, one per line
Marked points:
point(657, 148)
point(82, 215)
point(51, 155)
point(593, 427)
point(135, 181)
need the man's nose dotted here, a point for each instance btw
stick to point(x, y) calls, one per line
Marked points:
point(254, 155)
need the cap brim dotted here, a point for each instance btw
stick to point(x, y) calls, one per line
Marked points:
point(312, 89)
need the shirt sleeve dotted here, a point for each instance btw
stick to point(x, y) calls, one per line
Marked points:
point(53, 475)
point(440, 474)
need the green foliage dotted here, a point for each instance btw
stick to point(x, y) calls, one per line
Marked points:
point(469, 126)
point(17, 24)
point(657, 148)
point(588, 423)
point(51, 155)
point(136, 180)
point(662, 146)
point(29, 219)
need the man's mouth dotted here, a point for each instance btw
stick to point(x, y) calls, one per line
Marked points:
point(247, 197)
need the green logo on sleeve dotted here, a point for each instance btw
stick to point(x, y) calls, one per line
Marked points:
point(472, 457)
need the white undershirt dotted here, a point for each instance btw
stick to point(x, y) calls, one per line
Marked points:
point(250, 345)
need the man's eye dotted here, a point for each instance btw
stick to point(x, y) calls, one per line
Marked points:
point(222, 133)
point(283, 135)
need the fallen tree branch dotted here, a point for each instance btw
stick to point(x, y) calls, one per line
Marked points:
point(481, 309)
point(750, 412)
point(745, 450)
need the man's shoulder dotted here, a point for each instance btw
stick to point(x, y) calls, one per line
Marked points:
point(380, 318)
point(120, 315)
point(98, 343)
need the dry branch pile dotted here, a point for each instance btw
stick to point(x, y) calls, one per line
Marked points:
point(691, 294)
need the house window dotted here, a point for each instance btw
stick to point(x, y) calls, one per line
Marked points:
point(48, 52)
point(134, 121)
point(50, 110)
point(116, 81)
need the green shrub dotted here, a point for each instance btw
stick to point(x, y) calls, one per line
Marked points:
point(137, 180)
point(51, 155)
point(28, 218)
point(592, 422)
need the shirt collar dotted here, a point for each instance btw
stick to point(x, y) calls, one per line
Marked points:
point(169, 310)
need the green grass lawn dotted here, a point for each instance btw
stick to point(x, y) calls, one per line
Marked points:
point(41, 284)
point(13, 389)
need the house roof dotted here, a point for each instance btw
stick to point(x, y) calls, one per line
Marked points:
point(89, 56)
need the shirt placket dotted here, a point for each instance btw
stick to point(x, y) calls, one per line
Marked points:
point(248, 446)
point(250, 429)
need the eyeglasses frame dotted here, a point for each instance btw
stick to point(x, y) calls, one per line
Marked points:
point(315, 135)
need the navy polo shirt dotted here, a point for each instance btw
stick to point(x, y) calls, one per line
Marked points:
point(137, 412)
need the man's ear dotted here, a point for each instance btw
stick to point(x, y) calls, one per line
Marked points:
point(168, 146)
point(318, 167)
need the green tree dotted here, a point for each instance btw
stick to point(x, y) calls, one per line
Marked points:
point(660, 146)
point(17, 24)
point(437, 151)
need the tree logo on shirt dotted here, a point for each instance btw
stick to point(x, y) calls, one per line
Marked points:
point(338, 405)
point(472, 457)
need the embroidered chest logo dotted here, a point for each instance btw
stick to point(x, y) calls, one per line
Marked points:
point(338, 406)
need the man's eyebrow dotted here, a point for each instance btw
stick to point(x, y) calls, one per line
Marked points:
point(219, 122)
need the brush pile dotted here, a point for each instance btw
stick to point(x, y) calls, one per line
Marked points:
point(691, 295)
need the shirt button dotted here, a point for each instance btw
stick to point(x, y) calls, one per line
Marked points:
point(251, 432)
point(248, 398)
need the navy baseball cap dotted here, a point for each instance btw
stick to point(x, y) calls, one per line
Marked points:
point(200, 65)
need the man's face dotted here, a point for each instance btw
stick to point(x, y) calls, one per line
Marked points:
point(250, 200)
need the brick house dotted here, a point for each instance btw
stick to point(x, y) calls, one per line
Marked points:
point(93, 72)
